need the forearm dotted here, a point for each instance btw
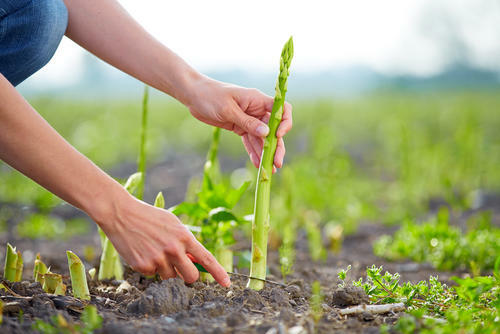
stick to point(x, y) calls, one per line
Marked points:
point(30, 145)
point(104, 28)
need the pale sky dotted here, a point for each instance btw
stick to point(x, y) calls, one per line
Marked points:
point(390, 36)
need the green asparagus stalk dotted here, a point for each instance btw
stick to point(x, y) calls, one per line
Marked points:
point(10, 267)
point(160, 201)
point(225, 257)
point(260, 225)
point(19, 267)
point(142, 150)
point(78, 277)
point(211, 167)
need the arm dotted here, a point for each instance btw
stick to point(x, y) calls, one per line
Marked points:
point(104, 28)
point(150, 239)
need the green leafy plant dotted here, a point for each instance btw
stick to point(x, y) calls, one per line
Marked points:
point(472, 306)
point(444, 246)
point(90, 321)
point(211, 216)
point(260, 224)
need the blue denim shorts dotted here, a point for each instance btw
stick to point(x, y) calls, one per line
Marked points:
point(30, 32)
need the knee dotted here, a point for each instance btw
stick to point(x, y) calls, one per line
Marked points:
point(35, 32)
point(49, 22)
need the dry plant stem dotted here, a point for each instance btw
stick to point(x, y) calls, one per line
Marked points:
point(10, 267)
point(78, 277)
point(260, 226)
point(373, 309)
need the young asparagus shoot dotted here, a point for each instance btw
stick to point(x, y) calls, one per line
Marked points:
point(10, 267)
point(160, 201)
point(19, 267)
point(142, 150)
point(260, 226)
point(53, 284)
point(78, 277)
point(39, 270)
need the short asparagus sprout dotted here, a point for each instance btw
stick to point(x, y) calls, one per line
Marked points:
point(260, 226)
point(10, 267)
point(160, 201)
point(92, 272)
point(39, 270)
point(110, 265)
point(53, 283)
point(78, 277)
point(19, 267)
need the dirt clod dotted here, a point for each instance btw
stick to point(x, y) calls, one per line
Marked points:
point(167, 297)
point(348, 296)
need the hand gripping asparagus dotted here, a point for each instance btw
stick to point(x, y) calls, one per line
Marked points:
point(260, 225)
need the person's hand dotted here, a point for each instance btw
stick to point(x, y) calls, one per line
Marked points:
point(242, 110)
point(153, 240)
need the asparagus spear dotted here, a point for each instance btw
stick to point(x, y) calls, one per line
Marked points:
point(19, 267)
point(142, 150)
point(10, 267)
point(78, 277)
point(260, 225)
point(39, 270)
point(160, 201)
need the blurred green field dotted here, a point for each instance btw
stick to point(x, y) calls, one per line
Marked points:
point(378, 158)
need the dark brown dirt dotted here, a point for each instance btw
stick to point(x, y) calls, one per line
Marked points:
point(146, 305)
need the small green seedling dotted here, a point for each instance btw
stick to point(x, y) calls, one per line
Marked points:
point(315, 304)
point(211, 217)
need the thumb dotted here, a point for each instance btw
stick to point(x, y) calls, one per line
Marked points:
point(250, 124)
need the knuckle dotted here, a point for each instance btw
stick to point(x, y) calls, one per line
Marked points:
point(172, 249)
point(145, 268)
point(192, 277)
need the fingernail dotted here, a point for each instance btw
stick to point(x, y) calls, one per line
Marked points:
point(262, 130)
point(227, 282)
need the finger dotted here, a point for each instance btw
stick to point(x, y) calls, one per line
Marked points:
point(286, 121)
point(250, 124)
point(265, 117)
point(280, 153)
point(166, 271)
point(257, 145)
point(186, 269)
point(208, 261)
point(251, 152)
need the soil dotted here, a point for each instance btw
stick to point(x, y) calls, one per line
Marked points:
point(146, 305)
